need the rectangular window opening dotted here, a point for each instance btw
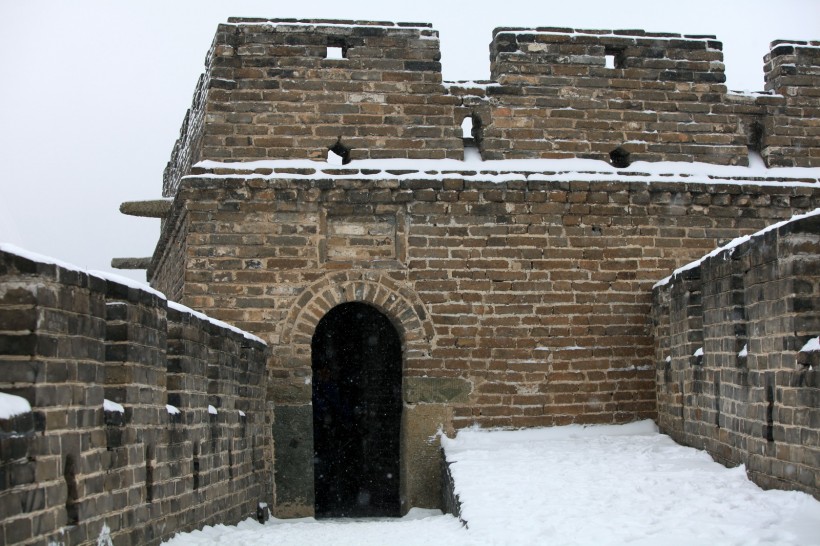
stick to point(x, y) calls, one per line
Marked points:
point(614, 58)
point(335, 53)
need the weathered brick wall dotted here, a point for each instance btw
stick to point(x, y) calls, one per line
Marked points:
point(730, 375)
point(269, 92)
point(169, 263)
point(663, 99)
point(188, 148)
point(273, 94)
point(793, 71)
point(70, 471)
point(519, 303)
point(52, 350)
point(557, 98)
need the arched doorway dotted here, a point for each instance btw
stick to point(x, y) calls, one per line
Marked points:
point(356, 363)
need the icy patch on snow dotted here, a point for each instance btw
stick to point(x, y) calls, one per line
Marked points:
point(172, 410)
point(108, 405)
point(12, 405)
point(735, 243)
point(812, 345)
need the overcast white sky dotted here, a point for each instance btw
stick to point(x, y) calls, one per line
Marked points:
point(92, 93)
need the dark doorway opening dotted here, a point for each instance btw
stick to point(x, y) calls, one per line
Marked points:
point(356, 361)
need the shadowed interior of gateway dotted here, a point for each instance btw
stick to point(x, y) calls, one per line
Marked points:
point(356, 361)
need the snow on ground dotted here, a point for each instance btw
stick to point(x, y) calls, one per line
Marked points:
point(568, 485)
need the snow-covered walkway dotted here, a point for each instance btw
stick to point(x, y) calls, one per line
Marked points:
point(569, 485)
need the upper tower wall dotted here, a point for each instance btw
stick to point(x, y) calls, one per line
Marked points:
point(589, 93)
point(522, 55)
point(287, 89)
point(293, 89)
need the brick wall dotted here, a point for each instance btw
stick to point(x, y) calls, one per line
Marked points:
point(169, 261)
point(269, 91)
point(272, 93)
point(793, 71)
point(70, 471)
point(557, 97)
point(749, 396)
point(519, 303)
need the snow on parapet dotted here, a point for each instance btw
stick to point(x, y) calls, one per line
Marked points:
point(12, 405)
point(735, 243)
point(35, 257)
point(179, 307)
point(131, 283)
point(606, 33)
point(332, 23)
point(503, 170)
point(812, 345)
point(108, 405)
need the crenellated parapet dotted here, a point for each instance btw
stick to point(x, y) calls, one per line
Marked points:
point(293, 89)
point(297, 89)
point(792, 137)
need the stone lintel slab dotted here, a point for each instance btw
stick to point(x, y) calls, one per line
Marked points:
point(436, 390)
point(130, 263)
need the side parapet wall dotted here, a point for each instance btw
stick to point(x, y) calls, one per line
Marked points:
point(293, 89)
point(733, 376)
point(153, 459)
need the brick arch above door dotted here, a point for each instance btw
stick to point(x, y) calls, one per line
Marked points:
point(401, 305)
